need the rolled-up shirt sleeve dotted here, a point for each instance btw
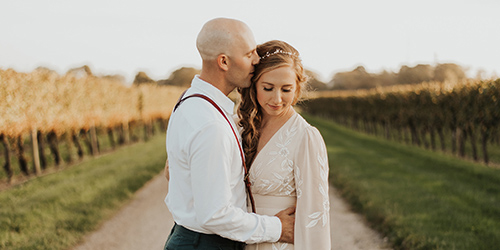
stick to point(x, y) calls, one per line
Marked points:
point(211, 152)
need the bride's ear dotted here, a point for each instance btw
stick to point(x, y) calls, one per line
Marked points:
point(223, 62)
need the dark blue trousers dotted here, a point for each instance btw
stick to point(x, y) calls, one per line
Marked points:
point(181, 238)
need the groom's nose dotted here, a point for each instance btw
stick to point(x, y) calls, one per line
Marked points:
point(256, 58)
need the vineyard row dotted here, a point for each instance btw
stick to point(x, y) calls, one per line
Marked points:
point(468, 110)
point(49, 108)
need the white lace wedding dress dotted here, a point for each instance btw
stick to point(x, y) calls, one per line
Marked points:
point(292, 168)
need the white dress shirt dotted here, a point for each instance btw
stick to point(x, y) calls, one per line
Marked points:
point(206, 189)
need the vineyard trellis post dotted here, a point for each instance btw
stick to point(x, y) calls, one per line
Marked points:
point(36, 153)
point(93, 140)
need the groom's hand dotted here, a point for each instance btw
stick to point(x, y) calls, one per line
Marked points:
point(166, 172)
point(287, 219)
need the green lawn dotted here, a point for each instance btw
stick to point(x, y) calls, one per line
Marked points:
point(418, 198)
point(56, 210)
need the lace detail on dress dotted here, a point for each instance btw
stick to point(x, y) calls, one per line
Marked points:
point(282, 180)
point(298, 183)
point(280, 246)
point(321, 215)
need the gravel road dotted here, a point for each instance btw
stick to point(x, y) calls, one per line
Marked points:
point(145, 223)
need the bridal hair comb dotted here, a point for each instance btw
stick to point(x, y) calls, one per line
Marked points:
point(277, 51)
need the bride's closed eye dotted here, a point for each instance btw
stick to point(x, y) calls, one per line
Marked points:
point(268, 89)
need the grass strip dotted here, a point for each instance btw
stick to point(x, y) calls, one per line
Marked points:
point(57, 210)
point(418, 198)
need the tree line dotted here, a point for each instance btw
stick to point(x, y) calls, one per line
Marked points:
point(181, 78)
point(359, 78)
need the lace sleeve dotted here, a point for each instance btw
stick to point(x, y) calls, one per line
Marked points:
point(312, 219)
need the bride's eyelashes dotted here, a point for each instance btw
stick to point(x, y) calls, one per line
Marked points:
point(271, 88)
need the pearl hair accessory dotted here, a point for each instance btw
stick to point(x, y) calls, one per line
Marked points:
point(277, 51)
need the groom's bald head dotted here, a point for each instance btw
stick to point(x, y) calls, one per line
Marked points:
point(219, 35)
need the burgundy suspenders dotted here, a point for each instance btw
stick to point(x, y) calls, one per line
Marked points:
point(247, 181)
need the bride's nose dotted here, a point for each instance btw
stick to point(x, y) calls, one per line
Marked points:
point(277, 97)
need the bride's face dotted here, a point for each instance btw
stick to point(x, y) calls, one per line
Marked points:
point(276, 90)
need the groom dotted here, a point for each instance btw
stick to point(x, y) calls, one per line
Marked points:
point(207, 195)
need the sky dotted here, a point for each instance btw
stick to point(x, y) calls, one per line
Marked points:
point(158, 36)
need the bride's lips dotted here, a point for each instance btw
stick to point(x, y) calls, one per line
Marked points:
point(275, 107)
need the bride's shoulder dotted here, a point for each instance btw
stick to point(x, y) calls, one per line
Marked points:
point(309, 131)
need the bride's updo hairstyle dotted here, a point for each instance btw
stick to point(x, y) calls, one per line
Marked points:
point(273, 54)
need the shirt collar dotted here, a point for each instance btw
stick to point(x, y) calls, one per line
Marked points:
point(214, 93)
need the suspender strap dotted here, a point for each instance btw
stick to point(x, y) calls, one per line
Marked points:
point(247, 181)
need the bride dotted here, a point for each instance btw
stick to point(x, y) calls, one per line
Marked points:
point(287, 156)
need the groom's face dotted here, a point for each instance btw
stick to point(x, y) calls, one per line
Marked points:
point(242, 59)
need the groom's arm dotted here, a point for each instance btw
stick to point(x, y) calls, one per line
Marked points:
point(286, 217)
point(219, 191)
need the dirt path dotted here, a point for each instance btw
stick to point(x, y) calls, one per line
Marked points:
point(145, 224)
point(349, 230)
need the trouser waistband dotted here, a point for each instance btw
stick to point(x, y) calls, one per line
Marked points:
point(200, 240)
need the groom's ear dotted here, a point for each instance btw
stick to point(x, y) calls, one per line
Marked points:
point(223, 62)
